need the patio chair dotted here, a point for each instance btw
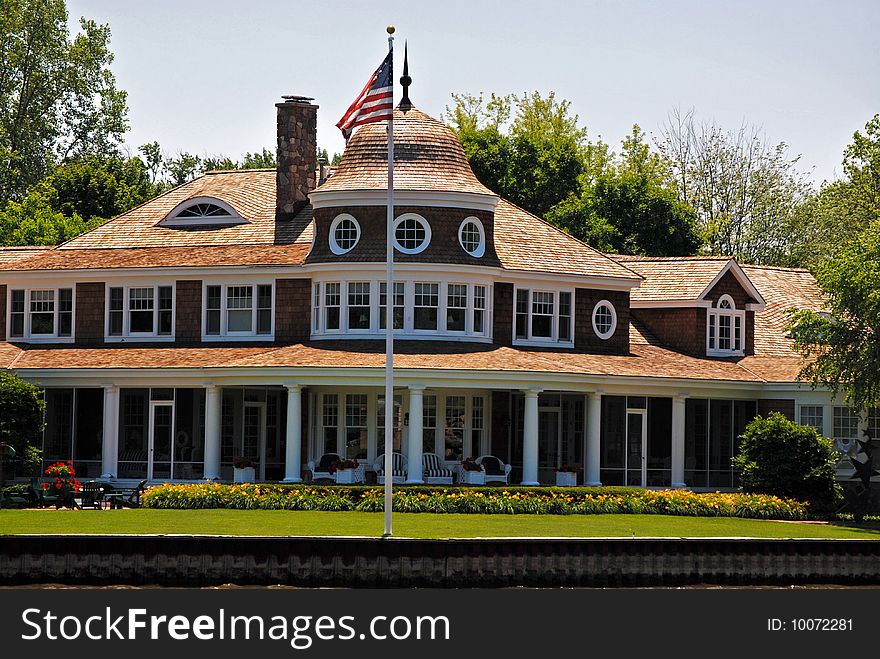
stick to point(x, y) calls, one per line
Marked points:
point(434, 472)
point(92, 494)
point(496, 470)
point(14, 499)
point(44, 497)
point(322, 469)
point(398, 468)
point(120, 498)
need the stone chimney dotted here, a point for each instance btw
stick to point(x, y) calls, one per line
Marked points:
point(297, 153)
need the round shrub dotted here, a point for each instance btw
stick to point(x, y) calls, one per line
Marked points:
point(782, 458)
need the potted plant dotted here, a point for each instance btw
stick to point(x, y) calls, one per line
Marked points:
point(471, 472)
point(243, 470)
point(567, 476)
point(344, 470)
point(62, 484)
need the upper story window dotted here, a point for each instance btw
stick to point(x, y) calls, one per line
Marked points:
point(140, 312)
point(725, 328)
point(604, 320)
point(202, 211)
point(41, 314)
point(472, 237)
point(544, 316)
point(238, 311)
point(438, 308)
point(345, 232)
point(412, 233)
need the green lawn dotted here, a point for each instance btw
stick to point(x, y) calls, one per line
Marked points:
point(422, 525)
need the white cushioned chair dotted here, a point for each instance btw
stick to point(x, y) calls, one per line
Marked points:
point(398, 468)
point(322, 469)
point(434, 472)
point(496, 470)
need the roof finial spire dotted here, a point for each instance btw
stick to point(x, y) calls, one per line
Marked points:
point(406, 81)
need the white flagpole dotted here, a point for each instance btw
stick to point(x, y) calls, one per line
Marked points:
point(389, 309)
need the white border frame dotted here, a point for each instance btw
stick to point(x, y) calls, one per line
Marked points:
point(553, 341)
point(28, 336)
point(425, 225)
point(225, 335)
point(604, 335)
point(331, 238)
point(127, 336)
point(481, 248)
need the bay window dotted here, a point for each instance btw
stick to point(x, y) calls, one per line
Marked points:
point(238, 310)
point(142, 312)
point(41, 314)
point(542, 316)
point(725, 329)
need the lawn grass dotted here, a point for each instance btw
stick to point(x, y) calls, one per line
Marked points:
point(421, 525)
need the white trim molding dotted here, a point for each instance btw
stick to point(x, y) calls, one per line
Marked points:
point(332, 241)
point(426, 198)
point(480, 249)
point(613, 327)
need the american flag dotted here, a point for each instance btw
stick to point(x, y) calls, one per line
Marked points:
point(374, 103)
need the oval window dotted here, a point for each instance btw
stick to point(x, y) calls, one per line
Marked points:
point(344, 233)
point(472, 237)
point(412, 233)
point(604, 319)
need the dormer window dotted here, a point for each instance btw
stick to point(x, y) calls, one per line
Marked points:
point(725, 329)
point(202, 211)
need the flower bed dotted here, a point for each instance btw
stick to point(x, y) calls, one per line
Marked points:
point(488, 500)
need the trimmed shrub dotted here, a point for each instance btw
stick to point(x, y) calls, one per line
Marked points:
point(21, 419)
point(476, 500)
point(787, 460)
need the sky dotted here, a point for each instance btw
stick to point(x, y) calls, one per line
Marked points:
point(203, 75)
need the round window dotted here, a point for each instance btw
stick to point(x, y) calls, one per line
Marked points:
point(344, 233)
point(471, 237)
point(412, 233)
point(604, 319)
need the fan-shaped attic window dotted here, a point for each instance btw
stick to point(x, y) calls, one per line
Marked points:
point(202, 211)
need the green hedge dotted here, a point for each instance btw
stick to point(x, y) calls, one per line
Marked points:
point(485, 500)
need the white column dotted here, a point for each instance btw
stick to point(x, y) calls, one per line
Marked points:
point(293, 451)
point(594, 435)
point(530, 438)
point(677, 457)
point(414, 441)
point(212, 432)
point(110, 438)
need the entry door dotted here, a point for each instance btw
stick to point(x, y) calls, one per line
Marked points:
point(636, 448)
point(161, 458)
point(253, 435)
point(549, 440)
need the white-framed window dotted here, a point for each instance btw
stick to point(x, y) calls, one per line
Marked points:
point(472, 237)
point(439, 309)
point(412, 233)
point(543, 316)
point(813, 415)
point(845, 428)
point(725, 329)
point(140, 312)
point(604, 319)
point(202, 211)
point(40, 314)
point(345, 232)
point(238, 311)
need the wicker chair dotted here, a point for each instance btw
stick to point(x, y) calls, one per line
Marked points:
point(322, 469)
point(495, 468)
point(434, 472)
point(398, 468)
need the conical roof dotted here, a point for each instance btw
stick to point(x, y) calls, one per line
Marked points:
point(427, 157)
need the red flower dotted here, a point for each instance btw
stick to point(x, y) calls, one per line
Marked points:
point(57, 486)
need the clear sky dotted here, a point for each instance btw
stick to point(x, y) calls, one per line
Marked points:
point(203, 75)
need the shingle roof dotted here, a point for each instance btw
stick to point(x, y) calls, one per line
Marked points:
point(12, 254)
point(427, 157)
point(673, 278)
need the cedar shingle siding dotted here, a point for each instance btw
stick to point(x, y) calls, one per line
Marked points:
point(188, 324)
point(682, 329)
point(444, 246)
point(585, 338)
point(89, 312)
point(728, 285)
point(293, 309)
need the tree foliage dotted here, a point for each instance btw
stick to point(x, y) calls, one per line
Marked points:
point(746, 193)
point(782, 458)
point(21, 412)
point(58, 96)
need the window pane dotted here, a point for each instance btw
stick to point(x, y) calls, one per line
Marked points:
point(239, 308)
point(330, 421)
point(455, 416)
point(724, 332)
point(212, 304)
point(165, 305)
point(812, 415)
point(397, 415)
point(398, 304)
point(331, 304)
point(264, 309)
point(456, 307)
point(42, 323)
point(356, 426)
point(42, 312)
point(359, 305)
point(17, 314)
point(65, 311)
point(565, 316)
point(427, 297)
point(429, 423)
point(522, 314)
point(479, 309)
point(140, 301)
point(238, 320)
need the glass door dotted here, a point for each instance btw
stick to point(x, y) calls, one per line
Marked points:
point(549, 439)
point(636, 444)
point(161, 438)
point(253, 435)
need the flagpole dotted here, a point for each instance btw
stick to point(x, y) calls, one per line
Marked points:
point(389, 309)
